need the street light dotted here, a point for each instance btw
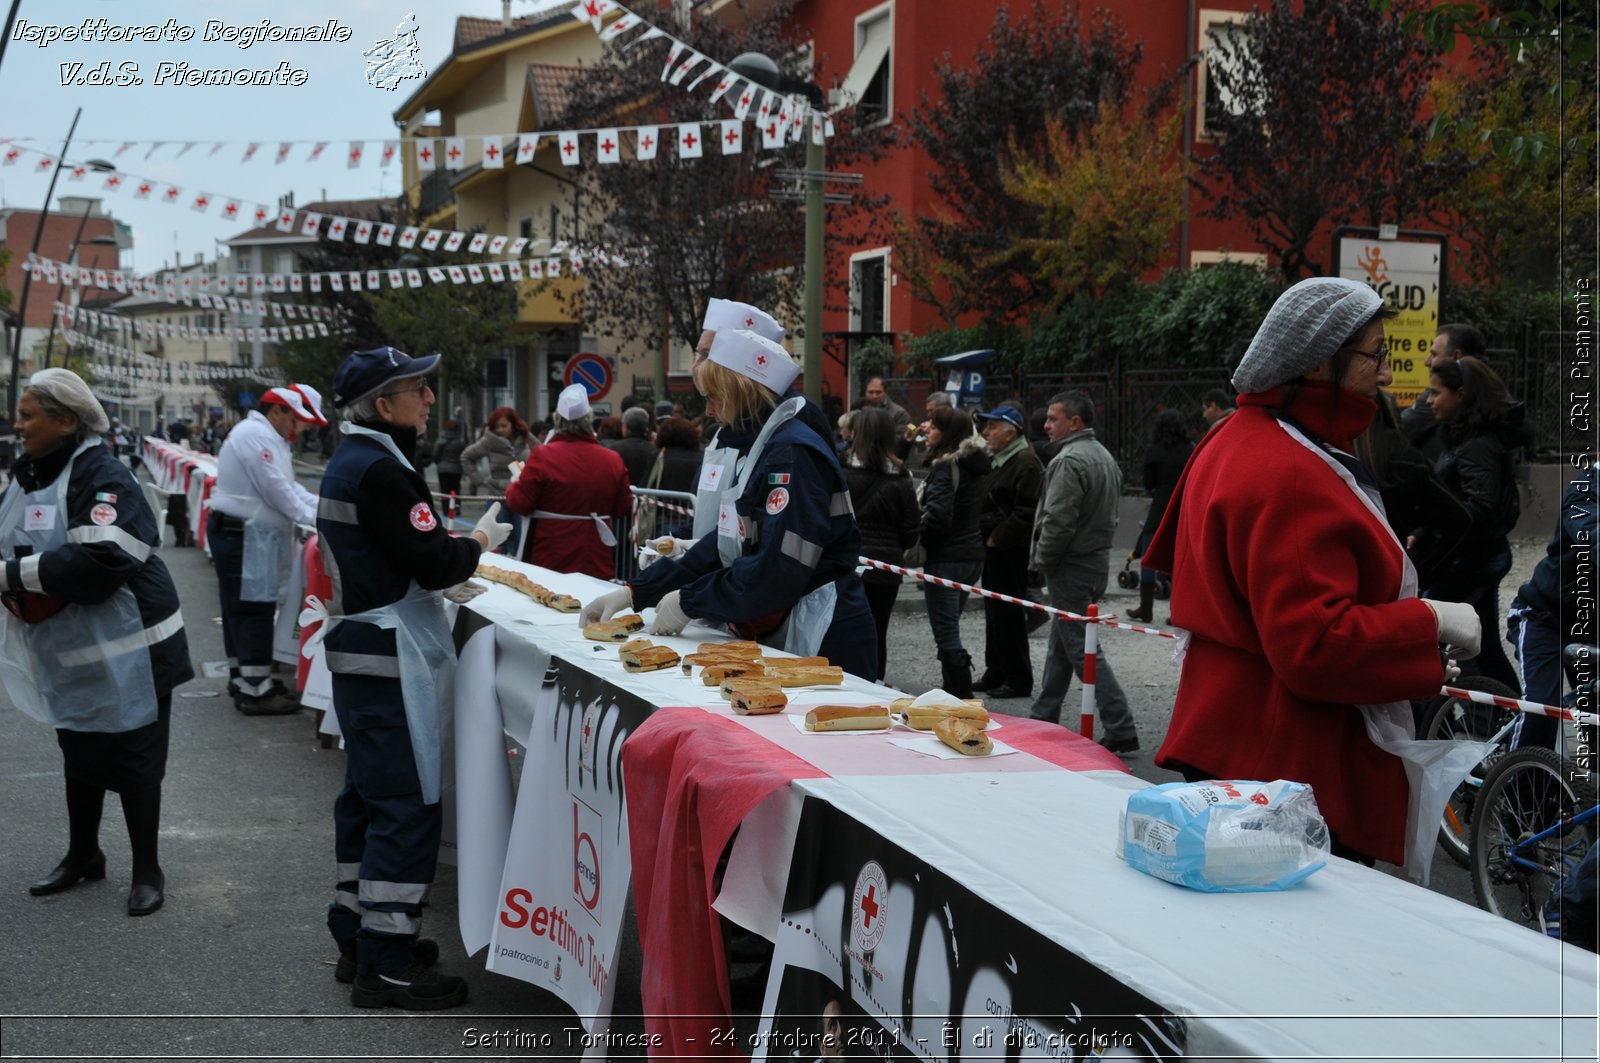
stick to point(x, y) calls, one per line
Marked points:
point(763, 72)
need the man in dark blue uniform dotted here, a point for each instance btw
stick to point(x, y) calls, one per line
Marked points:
point(390, 655)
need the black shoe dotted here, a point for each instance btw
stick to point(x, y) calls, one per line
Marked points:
point(1002, 692)
point(423, 950)
point(1122, 747)
point(278, 703)
point(983, 683)
point(143, 899)
point(416, 988)
point(66, 875)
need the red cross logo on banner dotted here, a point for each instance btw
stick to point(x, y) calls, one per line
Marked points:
point(425, 154)
point(591, 9)
point(113, 181)
point(607, 146)
point(690, 140)
point(261, 214)
point(491, 151)
point(355, 154)
point(144, 189)
point(869, 914)
point(647, 141)
point(79, 171)
point(202, 202)
point(361, 231)
point(455, 153)
point(388, 152)
point(11, 156)
point(733, 135)
point(569, 147)
point(231, 209)
point(172, 193)
point(772, 130)
point(869, 906)
point(725, 86)
point(744, 101)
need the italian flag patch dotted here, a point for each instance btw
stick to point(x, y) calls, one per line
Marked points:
point(777, 477)
point(104, 497)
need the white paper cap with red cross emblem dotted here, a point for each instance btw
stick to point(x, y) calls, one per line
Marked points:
point(756, 357)
point(727, 314)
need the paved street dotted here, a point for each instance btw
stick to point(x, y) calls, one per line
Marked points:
point(239, 961)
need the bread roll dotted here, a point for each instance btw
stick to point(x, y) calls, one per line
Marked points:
point(795, 662)
point(713, 674)
point(730, 687)
point(615, 630)
point(564, 603)
point(649, 658)
point(964, 737)
point(924, 717)
point(736, 648)
point(808, 677)
point(753, 701)
point(633, 644)
point(848, 718)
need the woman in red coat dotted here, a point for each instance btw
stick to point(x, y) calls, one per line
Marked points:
point(576, 491)
point(1298, 600)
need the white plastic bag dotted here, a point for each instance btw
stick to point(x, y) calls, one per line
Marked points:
point(1225, 836)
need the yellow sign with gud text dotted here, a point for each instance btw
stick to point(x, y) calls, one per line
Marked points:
point(1407, 274)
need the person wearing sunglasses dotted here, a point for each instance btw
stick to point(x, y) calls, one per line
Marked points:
point(1306, 639)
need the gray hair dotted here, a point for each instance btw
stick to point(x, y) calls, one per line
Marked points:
point(637, 420)
point(941, 398)
point(1077, 404)
point(581, 426)
point(363, 409)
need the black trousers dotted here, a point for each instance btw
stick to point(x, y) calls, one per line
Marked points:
point(1005, 634)
point(880, 599)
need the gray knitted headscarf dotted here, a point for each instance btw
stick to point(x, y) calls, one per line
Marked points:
point(1304, 328)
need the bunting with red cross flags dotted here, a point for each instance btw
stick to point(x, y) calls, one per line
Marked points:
point(609, 145)
point(455, 152)
point(427, 158)
point(689, 143)
point(494, 157)
point(648, 139)
point(732, 136)
point(527, 143)
point(569, 148)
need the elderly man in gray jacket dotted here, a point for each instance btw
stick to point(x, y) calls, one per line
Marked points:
point(1072, 529)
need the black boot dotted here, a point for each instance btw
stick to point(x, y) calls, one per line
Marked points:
point(956, 672)
point(1147, 598)
point(142, 812)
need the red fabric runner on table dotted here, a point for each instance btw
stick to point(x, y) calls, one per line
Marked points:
point(691, 779)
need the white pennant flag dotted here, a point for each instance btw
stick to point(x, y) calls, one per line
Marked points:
point(311, 225)
point(526, 143)
point(672, 59)
point(478, 242)
point(569, 148)
point(142, 190)
point(514, 270)
point(230, 210)
point(414, 278)
point(689, 144)
point(711, 70)
point(797, 120)
point(316, 150)
point(430, 242)
point(353, 159)
point(249, 150)
point(590, 11)
point(283, 151)
point(648, 140)
point(536, 269)
point(747, 98)
point(768, 103)
point(517, 245)
point(435, 274)
point(816, 128)
point(426, 158)
point(355, 282)
point(372, 280)
point(386, 234)
point(458, 275)
point(683, 68)
point(171, 194)
point(732, 136)
point(618, 28)
point(286, 220)
point(296, 282)
point(475, 273)
point(278, 283)
point(362, 232)
point(608, 144)
point(337, 227)
point(397, 279)
point(497, 245)
point(201, 202)
point(389, 148)
point(408, 237)
point(725, 83)
point(336, 282)
point(454, 241)
point(494, 158)
point(772, 132)
point(455, 152)
point(496, 274)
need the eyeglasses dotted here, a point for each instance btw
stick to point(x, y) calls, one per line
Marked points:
point(418, 390)
point(1380, 357)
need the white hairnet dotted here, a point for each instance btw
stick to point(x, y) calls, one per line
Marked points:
point(67, 388)
point(1304, 328)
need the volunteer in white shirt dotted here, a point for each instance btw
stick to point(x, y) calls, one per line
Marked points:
point(254, 510)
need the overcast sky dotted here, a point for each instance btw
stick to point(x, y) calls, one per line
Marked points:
point(334, 104)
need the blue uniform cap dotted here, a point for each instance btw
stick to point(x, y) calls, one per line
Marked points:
point(366, 371)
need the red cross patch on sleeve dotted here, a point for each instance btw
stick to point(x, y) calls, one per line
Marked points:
point(422, 517)
point(777, 499)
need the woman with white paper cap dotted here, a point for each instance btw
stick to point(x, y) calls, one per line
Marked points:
point(781, 566)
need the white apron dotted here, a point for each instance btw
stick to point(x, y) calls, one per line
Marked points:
point(87, 668)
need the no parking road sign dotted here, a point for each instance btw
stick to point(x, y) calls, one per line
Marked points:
point(592, 371)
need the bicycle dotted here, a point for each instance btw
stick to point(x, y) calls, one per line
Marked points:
point(1536, 817)
point(1463, 720)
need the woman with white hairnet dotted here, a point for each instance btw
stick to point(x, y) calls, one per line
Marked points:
point(93, 636)
point(1306, 637)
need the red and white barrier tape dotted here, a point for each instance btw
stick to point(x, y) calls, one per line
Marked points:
point(1531, 707)
point(1103, 621)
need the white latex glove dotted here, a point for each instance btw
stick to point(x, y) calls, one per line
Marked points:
point(1459, 631)
point(464, 592)
point(606, 606)
point(515, 469)
point(670, 617)
point(493, 531)
point(670, 546)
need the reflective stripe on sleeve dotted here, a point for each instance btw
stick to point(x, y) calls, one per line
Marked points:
point(28, 573)
point(807, 553)
point(337, 511)
point(374, 664)
point(92, 533)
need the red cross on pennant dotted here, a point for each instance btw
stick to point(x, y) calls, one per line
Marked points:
point(491, 151)
point(361, 231)
point(588, 728)
point(690, 140)
point(388, 152)
point(79, 171)
point(725, 85)
point(869, 906)
point(607, 146)
point(744, 101)
point(591, 9)
point(202, 201)
point(231, 209)
point(647, 141)
point(455, 153)
point(172, 193)
point(570, 146)
point(11, 156)
point(684, 67)
point(772, 130)
point(426, 154)
point(144, 189)
point(261, 214)
point(733, 136)
point(355, 154)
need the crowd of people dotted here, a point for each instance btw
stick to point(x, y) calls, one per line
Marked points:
point(1321, 548)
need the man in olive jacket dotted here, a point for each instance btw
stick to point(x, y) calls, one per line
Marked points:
point(1011, 495)
point(1072, 530)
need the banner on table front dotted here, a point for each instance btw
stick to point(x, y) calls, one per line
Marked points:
point(880, 955)
point(568, 871)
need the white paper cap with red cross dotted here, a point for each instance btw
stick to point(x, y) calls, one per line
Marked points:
point(727, 314)
point(756, 357)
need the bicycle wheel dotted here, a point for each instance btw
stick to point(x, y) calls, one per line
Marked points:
point(1463, 720)
point(1526, 792)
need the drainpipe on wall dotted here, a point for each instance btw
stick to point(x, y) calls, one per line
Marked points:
point(1191, 42)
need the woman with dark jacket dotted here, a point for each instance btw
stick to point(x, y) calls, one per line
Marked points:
point(1481, 429)
point(82, 583)
point(886, 512)
point(677, 468)
point(1164, 459)
point(952, 502)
